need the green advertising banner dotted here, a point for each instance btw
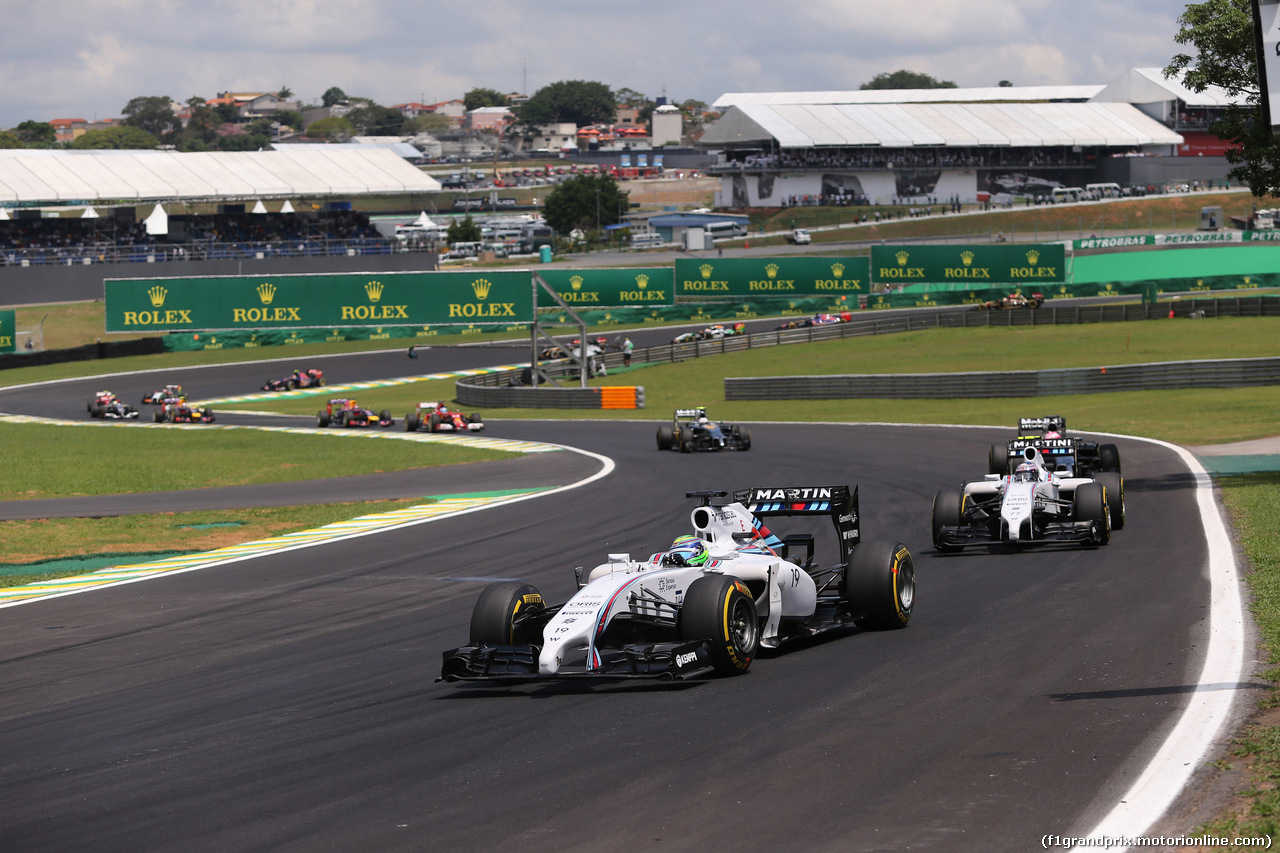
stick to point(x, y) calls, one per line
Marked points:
point(317, 301)
point(978, 264)
point(601, 288)
point(8, 330)
point(793, 275)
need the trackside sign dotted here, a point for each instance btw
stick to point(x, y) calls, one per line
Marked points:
point(314, 301)
point(977, 264)
point(796, 275)
point(597, 288)
point(8, 330)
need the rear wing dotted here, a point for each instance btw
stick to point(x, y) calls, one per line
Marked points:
point(691, 413)
point(840, 503)
point(1050, 448)
point(1057, 423)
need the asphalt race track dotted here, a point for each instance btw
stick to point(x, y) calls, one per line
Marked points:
point(288, 702)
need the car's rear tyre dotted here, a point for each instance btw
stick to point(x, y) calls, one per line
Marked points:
point(998, 460)
point(685, 441)
point(880, 585)
point(344, 418)
point(498, 617)
point(666, 437)
point(1090, 504)
point(1114, 485)
point(948, 511)
point(322, 419)
point(1109, 456)
point(720, 609)
point(411, 422)
point(433, 422)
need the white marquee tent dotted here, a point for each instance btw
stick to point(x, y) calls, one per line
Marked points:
point(47, 177)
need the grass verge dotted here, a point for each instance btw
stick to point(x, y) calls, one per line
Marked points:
point(1253, 503)
point(28, 544)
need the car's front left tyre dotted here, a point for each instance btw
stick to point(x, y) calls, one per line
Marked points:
point(720, 609)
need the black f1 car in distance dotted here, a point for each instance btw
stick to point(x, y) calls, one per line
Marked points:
point(310, 378)
point(706, 604)
point(109, 407)
point(1074, 457)
point(692, 430)
point(342, 412)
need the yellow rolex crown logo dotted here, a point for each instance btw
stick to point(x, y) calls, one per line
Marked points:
point(481, 287)
point(642, 281)
point(902, 258)
point(837, 270)
point(771, 269)
point(157, 295)
point(266, 292)
point(705, 269)
point(374, 289)
point(966, 257)
point(1033, 256)
point(575, 281)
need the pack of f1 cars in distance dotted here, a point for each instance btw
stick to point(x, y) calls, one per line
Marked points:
point(436, 417)
point(342, 412)
point(692, 430)
point(168, 392)
point(1012, 300)
point(711, 333)
point(310, 378)
point(1034, 505)
point(109, 407)
point(818, 320)
point(176, 410)
point(703, 606)
point(1075, 457)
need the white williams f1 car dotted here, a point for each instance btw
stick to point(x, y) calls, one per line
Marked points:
point(703, 606)
point(1034, 505)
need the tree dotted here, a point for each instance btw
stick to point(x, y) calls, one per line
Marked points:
point(202, 126)
point(1004, 84)
point(154, 115)
point(576, 101)
point(36, 134)
point(332, 95)
point(427, 123)
point(906, 80)
point(464, 230)
point(8, 140)
point(477, 98)
point(285, 93)
point(121, 136)
point(373, 120)
point(1221, 34)
point(589, 202)
point(332, 129)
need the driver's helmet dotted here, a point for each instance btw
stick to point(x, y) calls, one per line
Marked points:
point(703, 420)
point(687, 551)
point(1025, 473)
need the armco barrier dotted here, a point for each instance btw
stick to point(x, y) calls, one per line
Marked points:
point(1229, 373)
point(471, 394)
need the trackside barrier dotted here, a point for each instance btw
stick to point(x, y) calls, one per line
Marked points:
point(1229, 373)
point(472, 394)
point(498, 391)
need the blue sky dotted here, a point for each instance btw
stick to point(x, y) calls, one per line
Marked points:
point(87, 58)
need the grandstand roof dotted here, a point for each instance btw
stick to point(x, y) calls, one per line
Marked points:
point(987, 94)
point(949, 124)
point(33, 177)
point(1150, 86)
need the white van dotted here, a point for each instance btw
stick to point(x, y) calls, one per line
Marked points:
point(1061, 194)
point(1109, 190)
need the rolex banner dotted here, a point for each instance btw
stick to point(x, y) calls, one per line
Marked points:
point(8, 330)
point(314, 301)
point(798, 275)
point(978, 265)
point(601, 288)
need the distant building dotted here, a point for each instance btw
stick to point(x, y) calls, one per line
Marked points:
point(489, 118)
point(668, 126)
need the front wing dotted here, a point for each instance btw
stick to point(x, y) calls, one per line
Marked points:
point(674, 661)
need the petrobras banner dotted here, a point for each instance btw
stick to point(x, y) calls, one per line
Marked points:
point(8, 330)
point(1200, 237)
point(1125, 242)
point(616, 286)
point(979, 264)
point(318, 301)
point(795, 275)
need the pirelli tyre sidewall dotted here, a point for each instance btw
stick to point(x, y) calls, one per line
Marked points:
point(998, 459)
point(879, 585)
point(1090, 504)
point(719, 609)
point(500, 605)
point(1114, 485)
